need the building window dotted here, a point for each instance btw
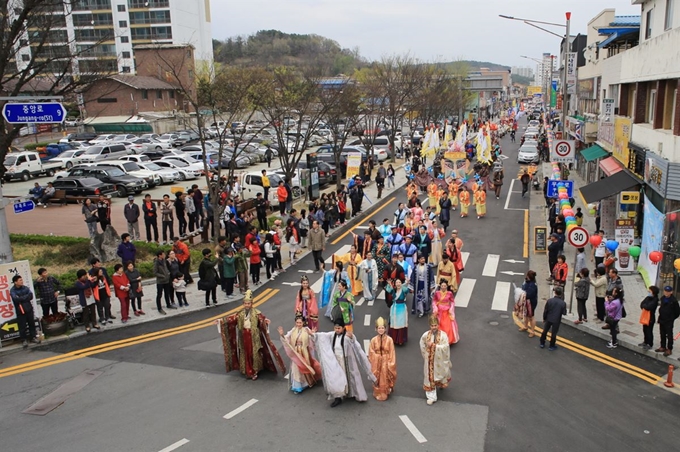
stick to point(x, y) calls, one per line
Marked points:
point(107, 100)
point(648, 24)
point(651, 105)
point(668, 20)
point(121, 8)
point(125, 54)
point(145, 94)
point(159, 94)
point(172, 94)
point(124, 39)
point(126, 69)
point(122, 23)
point(25, 57)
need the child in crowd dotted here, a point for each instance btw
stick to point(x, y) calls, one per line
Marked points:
point(180, 287)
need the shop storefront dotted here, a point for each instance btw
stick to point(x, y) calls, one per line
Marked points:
point(588, 162)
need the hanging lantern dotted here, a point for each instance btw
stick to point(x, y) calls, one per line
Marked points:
point(595, 240)
point(655, 256)
point(634, 251)
point(612, 245)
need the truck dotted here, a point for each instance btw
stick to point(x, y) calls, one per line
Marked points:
point(26, 164)
point(251, 185)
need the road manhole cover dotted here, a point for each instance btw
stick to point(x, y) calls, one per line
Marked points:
point(505, 316)
point(493, 323)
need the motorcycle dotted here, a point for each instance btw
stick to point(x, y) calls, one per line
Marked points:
point(536, 184)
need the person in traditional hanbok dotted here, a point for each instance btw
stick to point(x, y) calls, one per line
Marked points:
point(395, 240)
point(432, 193)
point(443, 306)
point(422, 285)
point(331, 278)
point(436, 234)
point(246, 341)
point(417, 212)
point(343, 305)
point(383, 359)
point(434, 346)
point(409, 250)
point(382, 256)
point(422, 242)
point(305, 371)
point(480, 202)
point(464, 197)
point(363, 244)
point(342, 363)
point(392, 272)
point(398, 311)
point(351, 262)
point(405, 265)
point(440, 192)
point(368, 269)
point(305, 305)
point(446, 271)
point(453, 193)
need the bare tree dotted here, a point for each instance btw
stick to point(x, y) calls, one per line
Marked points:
point(37, 58)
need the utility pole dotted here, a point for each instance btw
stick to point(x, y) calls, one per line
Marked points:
point(565, 107)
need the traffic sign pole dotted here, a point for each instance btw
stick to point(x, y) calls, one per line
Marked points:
point(578, 237)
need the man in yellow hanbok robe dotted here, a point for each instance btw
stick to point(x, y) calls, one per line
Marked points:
point(351, 263)
point(464, 197)
point(480, 202)
point(453, 193)
point(432, 193)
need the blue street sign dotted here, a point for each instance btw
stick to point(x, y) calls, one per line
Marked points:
point(553, 185)
point(34, 112)
point(24, 206)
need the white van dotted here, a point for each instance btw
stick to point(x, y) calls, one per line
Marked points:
point(23, 165)
point(251, 185)
point(105, 151)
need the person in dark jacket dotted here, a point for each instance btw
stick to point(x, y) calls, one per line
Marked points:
point(669, 310)
point(445, 210)
point(86, 284)
point(553, 252)
point(650, 303)
point(163, 284)
point(150, 218)
point(531, 289)
point(23, 308)
point(47, 288)
point(582, 292)
point(179, 211)
point(555, 308)
point(131, 213)
point(208, 277)
point(126, 249)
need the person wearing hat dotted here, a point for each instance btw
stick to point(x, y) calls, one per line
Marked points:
point(356, 196)
point(131, 212)
point(340, 356)
point(246, 342)
point(669, 310)
point(409, 250)
point(422, 285)
point(383, 359)
point(434, 347)
point(394, 240)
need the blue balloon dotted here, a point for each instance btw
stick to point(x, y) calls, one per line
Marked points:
point(612, 245)
point(561, 184)
point(570, 218)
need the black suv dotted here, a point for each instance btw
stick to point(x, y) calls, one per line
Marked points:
point(124, 183)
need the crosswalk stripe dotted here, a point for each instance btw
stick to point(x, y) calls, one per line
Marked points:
point(491, 265)
point(317, 286)
point(464, 293)
point(370, 303)
point(360, 301)
point(367, 343)
point(367, 320)
point(465, 255)
point(501, 296)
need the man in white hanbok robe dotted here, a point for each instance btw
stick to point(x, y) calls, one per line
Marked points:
point(434, 346)
point(368, 269)
point(342, 362)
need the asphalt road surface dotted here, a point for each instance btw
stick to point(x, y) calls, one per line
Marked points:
point(169, 391)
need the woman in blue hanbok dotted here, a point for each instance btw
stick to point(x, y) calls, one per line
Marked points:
point(331, 278)
point(398, 313)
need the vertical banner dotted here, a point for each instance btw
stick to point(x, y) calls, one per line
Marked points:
point(625, 235)
point(9, 328)
point(353, 164)
point(622, 131)
point(652, 237)
point(571, 73)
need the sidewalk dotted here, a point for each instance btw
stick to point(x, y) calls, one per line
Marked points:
point(195, 297)
point(635, 289)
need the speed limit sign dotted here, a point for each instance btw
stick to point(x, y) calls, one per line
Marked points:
point(578, 237)
point(563, 151)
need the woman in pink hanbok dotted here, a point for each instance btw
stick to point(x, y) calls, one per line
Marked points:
point(298, 344)
point(417, 212)
point(443, 306)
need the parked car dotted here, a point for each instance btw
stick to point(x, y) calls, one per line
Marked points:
point(192, 162)
point(185, 173)
point(325, 176)
point(150, 144)
point(212, 158)
point(124, 137)
point(381, 146)
point(150, 136)
point(157, 154)
point(68, 158)
point(136, 158)
point(27, 164)
point(87, 136)
point(124, 183)
point(102, 138)
point(133, 169)
point(167, 175)
point(104, 152)
point(329, 158)
point(251, 185)
point(83, 186)
point(171, 138)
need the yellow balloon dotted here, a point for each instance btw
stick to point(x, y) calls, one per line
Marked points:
point(676, 264)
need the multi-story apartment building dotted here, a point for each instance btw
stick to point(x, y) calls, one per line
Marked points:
point(104, 33)
point(523, 71)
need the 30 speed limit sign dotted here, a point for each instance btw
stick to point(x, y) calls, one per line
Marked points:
point(578, 237)
point(563, 151)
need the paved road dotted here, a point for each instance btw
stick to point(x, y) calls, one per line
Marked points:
point(506, 393)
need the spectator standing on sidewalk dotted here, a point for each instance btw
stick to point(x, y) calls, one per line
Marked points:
point(553, 253)
point(150, 218)
point(126, 249)
point(650, 304)
point(266, 185)
point(86, 285)
point(555, 308)
point(89, 212)
point(190, 208)
point(197, 194)
point(179, 286)
point(669, 310)
point(131, 213)
point(614, 307)
point(184, 257)
point(317, 242)
point(47, 288)
point(104, 212)
point(599, 283)
point(162, 273)
point(167, 218)
point(208, 277)
point(261, 210)
point(180, 208)
point(241, 266)
point(599, 251)
point(23, 308)
point(582, 291)
point(136, 292)
point(282, 196)
point(121, 287)
point(228, 271)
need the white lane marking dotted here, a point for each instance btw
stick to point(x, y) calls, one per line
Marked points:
point(367, 343)
point(464, 293)
point(176, 445)
point(367, 320)
point(360, 301)
point(425, 201)
point(240, 409)
point(318, 284)
point(344, 249)
point(507, 200)
point(491, 265)
point(286, 376)
point(501, 296)
point(465, 256)
point(413, 429)
point(370, 303)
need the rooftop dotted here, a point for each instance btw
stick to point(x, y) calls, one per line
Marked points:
point(142, 82)
point(625, 21)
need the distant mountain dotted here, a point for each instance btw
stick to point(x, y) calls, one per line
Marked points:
point(477, 65)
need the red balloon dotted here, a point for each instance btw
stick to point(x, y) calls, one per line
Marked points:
point(563, 196)
point(672, 216)
point(567, 212)
point(595, 240)
point(655, 256)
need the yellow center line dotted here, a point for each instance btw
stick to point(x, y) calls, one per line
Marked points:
point(346, 233)
point(601, 357)
point(114, 345)
point(526, 234)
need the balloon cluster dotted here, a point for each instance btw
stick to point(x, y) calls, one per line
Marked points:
point(565, 206)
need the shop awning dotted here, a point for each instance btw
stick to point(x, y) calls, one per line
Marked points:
point(594, 152)
point(608, 186)
point(610, 166)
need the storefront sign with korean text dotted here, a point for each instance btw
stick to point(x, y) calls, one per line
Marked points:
point(9, 328)
point(625, 235)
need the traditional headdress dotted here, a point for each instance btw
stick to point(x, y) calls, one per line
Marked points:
point(339, 321)
point(380, 322)
point(304, 278)
point(248, 295)
point(434, 320)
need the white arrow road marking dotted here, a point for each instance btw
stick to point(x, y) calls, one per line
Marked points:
point(306, 271)
point(500, 296)
point(240, 409)
point(413, 429)
point(512, 273)
point(176, 445)
point(291, 283)
point(507, 200)
point(513, 261)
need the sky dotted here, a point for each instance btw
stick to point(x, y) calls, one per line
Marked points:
point(431, 30)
